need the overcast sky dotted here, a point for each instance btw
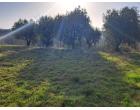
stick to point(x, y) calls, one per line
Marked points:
point(11, 12)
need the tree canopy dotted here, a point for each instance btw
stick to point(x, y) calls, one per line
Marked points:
point(24, 30)
point(69, 30)
point(122, 26)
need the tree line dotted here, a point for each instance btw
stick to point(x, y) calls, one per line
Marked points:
point(71, 30)
point(121, 27)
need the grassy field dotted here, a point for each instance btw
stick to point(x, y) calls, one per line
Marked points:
point(50, 77)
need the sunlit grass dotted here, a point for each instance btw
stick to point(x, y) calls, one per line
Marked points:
point(49, 77)
point(129, 68)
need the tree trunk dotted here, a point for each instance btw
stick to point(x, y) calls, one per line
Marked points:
point(28, 42)
point(117, 46)
point(117, 49)
point(73, 45)
point(89, 44)
point(79, 39)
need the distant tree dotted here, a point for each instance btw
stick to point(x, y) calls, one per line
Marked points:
point(45, 30)
point(59, 27)
point(24, 30)
point(92, 36)
point(122, 27)
point(74, 25)
point(97, 36)
point(130, 20)
point(111, 23)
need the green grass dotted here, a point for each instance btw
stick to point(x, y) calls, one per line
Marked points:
point(49, 77)
point(130, 68)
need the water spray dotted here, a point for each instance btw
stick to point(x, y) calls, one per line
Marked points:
point(10, 34)
point(16, 31)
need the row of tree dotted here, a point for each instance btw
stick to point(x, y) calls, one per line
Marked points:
point(71, 30)
point(74, 29)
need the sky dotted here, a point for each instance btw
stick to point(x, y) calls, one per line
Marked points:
point(11, 12)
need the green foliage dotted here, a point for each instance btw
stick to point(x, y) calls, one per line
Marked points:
point(122, 26)
point(70, 30)
point(45, 29)
point(25, 30)
point(92, 36)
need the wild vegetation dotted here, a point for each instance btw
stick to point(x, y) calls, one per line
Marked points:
point(80, 71)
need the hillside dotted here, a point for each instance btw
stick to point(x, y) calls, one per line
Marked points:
point(50, 77)
point(4, 31)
